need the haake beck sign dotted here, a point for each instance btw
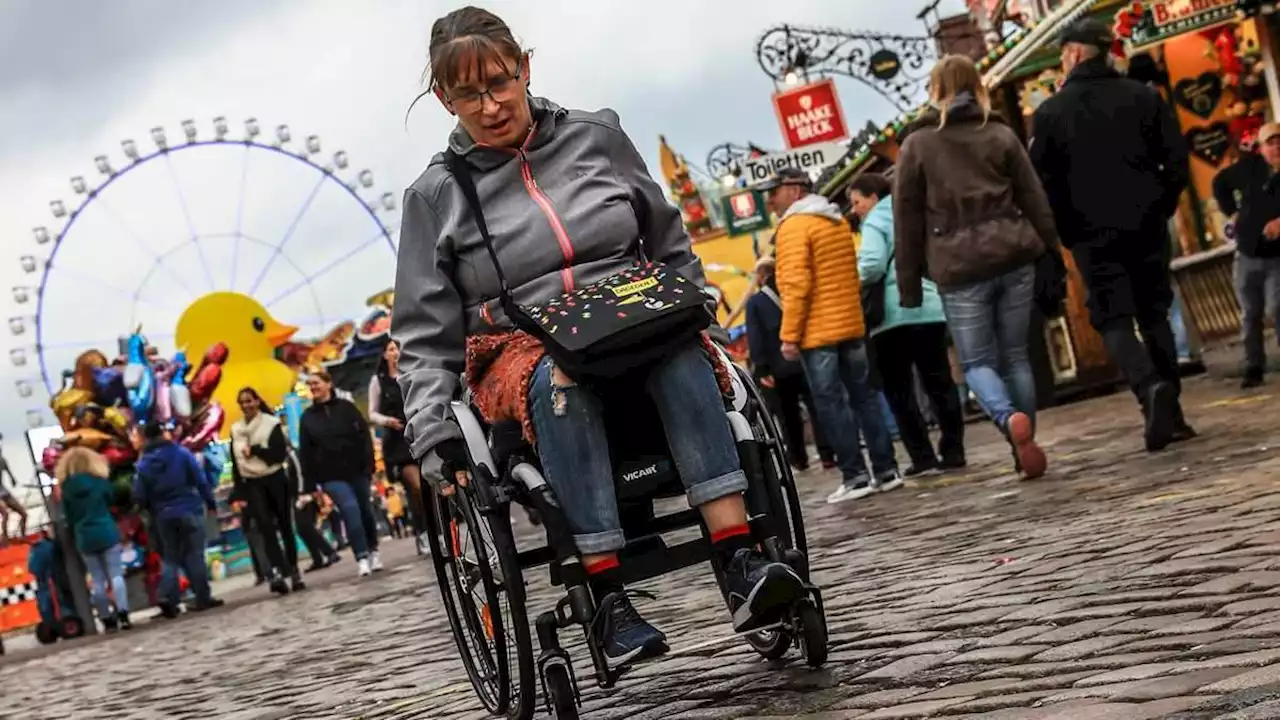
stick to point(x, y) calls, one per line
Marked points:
point(810, 114)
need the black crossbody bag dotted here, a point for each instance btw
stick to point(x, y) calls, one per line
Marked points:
point(631, 319)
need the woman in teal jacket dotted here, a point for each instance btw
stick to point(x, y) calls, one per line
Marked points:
point(907, 338)
point(87, 495)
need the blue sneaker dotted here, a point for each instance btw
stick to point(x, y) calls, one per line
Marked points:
point(759, 592)
point(625, 636)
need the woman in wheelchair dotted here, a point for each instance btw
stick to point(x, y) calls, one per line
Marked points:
point(567, 199)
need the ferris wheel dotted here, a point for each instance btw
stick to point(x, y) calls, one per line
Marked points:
point(303, 233)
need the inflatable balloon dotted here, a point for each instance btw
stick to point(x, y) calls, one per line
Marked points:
point(87, 363)
point(108, 387)
point(119, 455)
point(210, 373)
point(142, 390)
point(65, 403)
point(92, 438)
point(136, 365)
point(205, 426)
point(163, 406)
point(293, 417)
point(179, 393)
point(49, 458)
point(118, 419)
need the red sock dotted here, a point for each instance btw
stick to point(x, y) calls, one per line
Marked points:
point(602, 576)
point(602, 565)
point(728, 541)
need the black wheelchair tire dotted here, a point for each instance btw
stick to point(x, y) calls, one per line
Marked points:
point(779, 479)
point(70, 627)
point(560, 694)
point(46, 634)
point(524, 704)
point(463, 625)
point(813, 634)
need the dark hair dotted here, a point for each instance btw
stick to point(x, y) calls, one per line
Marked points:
point(262, 404)
point(1145, 69)
point(323, 375)
point(468, 36)
point(868, 184)
point(383, 368)
point(153, 431)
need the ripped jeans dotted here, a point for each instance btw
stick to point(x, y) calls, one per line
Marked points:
point(569, 422)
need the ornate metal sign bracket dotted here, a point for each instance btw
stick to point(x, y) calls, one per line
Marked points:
point(896, 66)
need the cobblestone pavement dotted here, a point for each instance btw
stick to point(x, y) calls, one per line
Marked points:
point(1123, 586)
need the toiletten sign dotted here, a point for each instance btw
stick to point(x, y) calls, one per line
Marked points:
point(810, 114)
point(1164, 19)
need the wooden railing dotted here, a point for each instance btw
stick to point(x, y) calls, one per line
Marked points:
point(1209, 305)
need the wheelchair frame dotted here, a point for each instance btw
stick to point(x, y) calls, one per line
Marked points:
point(483, 507)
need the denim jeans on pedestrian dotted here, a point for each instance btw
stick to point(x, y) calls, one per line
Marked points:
point(848, 406)
point(183, 542)
point(353, 501)
point(574, 449)
point(1258, 289)
point(107, 568)
point(990, 322)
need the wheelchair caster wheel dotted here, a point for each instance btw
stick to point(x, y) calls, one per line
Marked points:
point(46, 634)
point(813, 634)
point(561, 695)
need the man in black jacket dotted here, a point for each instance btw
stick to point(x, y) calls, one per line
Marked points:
point(782, 380)
point(1114, 164)
point(1250, 191)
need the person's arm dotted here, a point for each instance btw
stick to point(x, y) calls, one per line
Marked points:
point(140, 490)
point(306, 459)
point(757, 343)
point(874, 255)
point(910, 216)
point(1028, 193)
point(196, 477)
point(794, 279)
point(275, 452)
point(1224, 190)
point(375, 402)
point(366, 439)
point(1170, 151)
point(428, 322)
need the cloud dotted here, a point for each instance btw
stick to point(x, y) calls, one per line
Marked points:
point(77, 76)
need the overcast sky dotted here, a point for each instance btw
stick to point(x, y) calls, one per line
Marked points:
point(78, 76)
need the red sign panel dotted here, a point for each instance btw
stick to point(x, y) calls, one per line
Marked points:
point(810, 114)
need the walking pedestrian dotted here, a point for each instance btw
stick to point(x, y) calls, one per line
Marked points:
point(781, 380)
point(87, 496)
point(907, 341)
point(9, 503)
point(171, 485)
point(386, 411)
point(259, 452)
point(822, 327)
point(1114, 165)
point(337, 453)
point(969, 210)
point(1249, 192)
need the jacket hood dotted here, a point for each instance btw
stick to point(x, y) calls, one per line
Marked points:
point(80, 485)
point(158, 457)
point(545, 113)
point(964, 111)
point(815, 204)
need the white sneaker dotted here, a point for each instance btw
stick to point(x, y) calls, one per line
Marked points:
point(890, 484)
point(424, 546)
point(846, 492)
point(375, 561)
point(362, 568)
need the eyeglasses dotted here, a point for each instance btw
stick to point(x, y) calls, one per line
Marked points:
point(500, 90)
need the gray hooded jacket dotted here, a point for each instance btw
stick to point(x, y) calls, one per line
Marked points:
point(566, 209)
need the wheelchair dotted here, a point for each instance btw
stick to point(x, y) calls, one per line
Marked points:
point(480, 569)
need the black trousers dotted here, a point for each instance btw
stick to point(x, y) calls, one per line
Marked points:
point(786, 396)
point(319, 548)
point(270, 502)
point(902, 352)
point(1129, 282)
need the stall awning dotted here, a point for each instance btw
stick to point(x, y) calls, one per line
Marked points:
point(1043, 34)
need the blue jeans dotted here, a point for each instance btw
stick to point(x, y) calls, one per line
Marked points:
point(989, 323)
point(837, 371)
point(182, 541)
point(574, 449)
point(352, 499)
point(106, 567)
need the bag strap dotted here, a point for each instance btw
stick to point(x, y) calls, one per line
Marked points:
point(458, 168)
point(769, 293)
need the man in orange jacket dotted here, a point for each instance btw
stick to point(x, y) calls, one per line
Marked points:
point(822, 326)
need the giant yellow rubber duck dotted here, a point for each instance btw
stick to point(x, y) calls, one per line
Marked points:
point(251, 335)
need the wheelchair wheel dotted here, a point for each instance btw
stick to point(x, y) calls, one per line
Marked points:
point(484, 597)
point(780, 482)
point(560, 693)
point(813, 634)
point(46, 634)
